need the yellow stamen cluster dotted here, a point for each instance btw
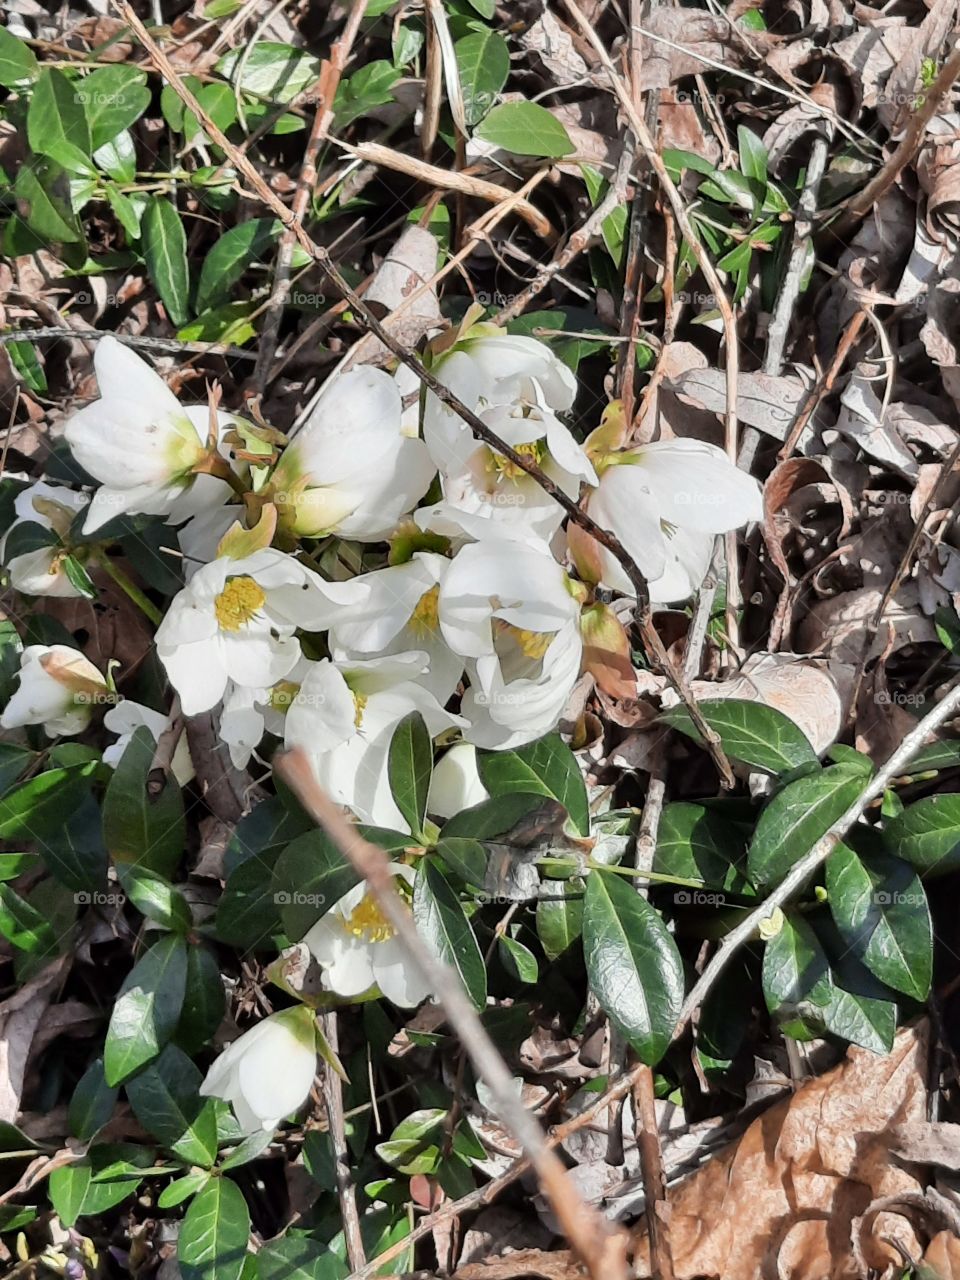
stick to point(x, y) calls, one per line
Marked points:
point(367, 922)
point(359, 706)
point(239, 601)
point(426, 617)
point(532, 644)
point(535, 450)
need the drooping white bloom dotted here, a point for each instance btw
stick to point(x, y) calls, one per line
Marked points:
point(250, 712)
point(126, 717)
point(268, 1073)
point(351, 469)
point(40, 572)
point(358, 949)
point(455, 784)
point(235, 620)
point(344, 716)
point(141, 444)
point(666, 503)
point(59, 689)
point(505, 607)
point(488, 367)
point(399, 615)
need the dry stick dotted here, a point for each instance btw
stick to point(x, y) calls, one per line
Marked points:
point(824, 384)
point(861, 204)
point(167, 346)
point(592, 1238)
point(802, 870)
point(449, 180)
point(333, 1101)
point(710, 275)
point(326, 89)
point(363, 313)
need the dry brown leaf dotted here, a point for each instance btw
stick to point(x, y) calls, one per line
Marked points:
point(396, 287)
point(835, 628)
point(559, 1265)
point(943, 1255)
point(20, 1018)
point(801, 1174)
point(769, 403)
point(552, 41)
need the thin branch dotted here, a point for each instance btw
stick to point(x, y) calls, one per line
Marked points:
point(333, 1101)
point(802, 870)
point(601, 1248)
point(362, 312)
point(167, 346)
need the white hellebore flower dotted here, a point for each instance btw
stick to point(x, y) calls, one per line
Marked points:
point(400, 616)
point(268, 1073)
point(235, 620)
point(141, 444)
point(351, 469)
point(58, 688)
point(358, 949)
point(666, 503)
point(40, 572)
point(485, 368)
point(126, 717)
point(455, 784)
point(505, 607)
point(344, 716)
point(250, 712)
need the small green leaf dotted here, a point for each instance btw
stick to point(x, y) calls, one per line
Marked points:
point(796, 976)
point(203, 999)
point(633, 966)
point(182, 1189)
point(310, 877)
point(526, 129)
point(113, 98)
point(147, 1009)
point(22, 925)
point(42, 189)
point(753, 155)
point(483, 61)
point(271, 70)
point(518, 959)
point(56, 123)
point(445, 929)
point(18, 65)
point(797, 817)
point(299, 1258)
point(696, 843)
point(74, 1193)
point(366, 89)
point(409, 767)
point(165, 251)
point(881, 910)
point(37, 808)
point(26, 361)
point(155, 898)
point(233, 253)
point(145, 830)
point(546, 767)
point(559, 915)
point(760, 736)
point(213, 1237)
point(927, 834)
point(165, 1099)
point(92, 1103)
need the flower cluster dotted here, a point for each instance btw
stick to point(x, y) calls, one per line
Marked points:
point(381, 560)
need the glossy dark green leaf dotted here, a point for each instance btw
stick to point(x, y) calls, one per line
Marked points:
point(147, 1009)
point(927, 834)
point(491, 818)
point(369, 87)
point(165, 250)
point(23, 925)
point(249, 909)
point(633, 966)
point(264, 832)
point(18, 64)
point(56, 123)
point(139, 828)
point(696, 843)
point(293, 1258)
point(165, 1099)
point(213, 1237)
point(113, 98)
point(797, 817)
point(546, 767)
point(92, 1103)
point(203, 999)
point(310, 877)
point(154, 897)
point(14, 760)
point(526, 129)
point(881, 910)
point(181, 1189)
point(271, 70)
point(74, 1193)
point(483, 63)
point(466, 858)
point(796, 976)
point(518, 959)
point(409, 766)
point(75, 852)
point(444, 927)
point(233, 253)
point(42, 189)
point(559, 915)
point(37, 807)
point(760, 736)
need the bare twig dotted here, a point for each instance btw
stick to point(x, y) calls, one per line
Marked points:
point(167, 346)
point(804, 868)
point(167, 745)
point(823, 385)
point(333, 1101)
point(881, 182)
point(326, 91)
point(601, 1248)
